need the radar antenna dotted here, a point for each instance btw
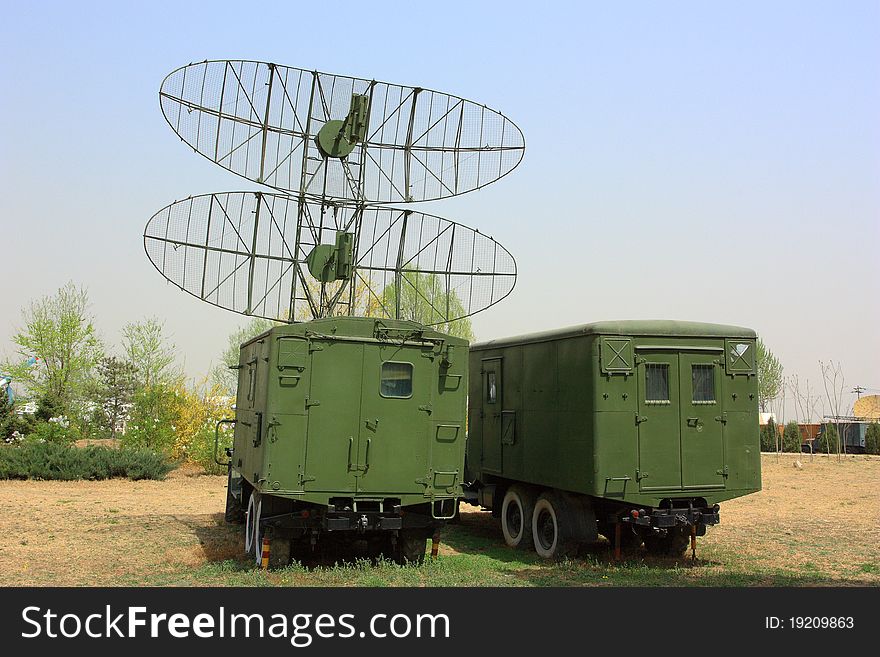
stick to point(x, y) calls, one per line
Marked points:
point(335, 150)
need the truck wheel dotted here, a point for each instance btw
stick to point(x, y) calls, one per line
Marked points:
point(551, 524)
point(673, 544)
point(410, 546)
point(252, 526)
point(516, 516)
point(234, 512)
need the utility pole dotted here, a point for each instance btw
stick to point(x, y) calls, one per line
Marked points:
point(859, 390)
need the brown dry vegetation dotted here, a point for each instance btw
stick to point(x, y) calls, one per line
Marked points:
point(816, 525)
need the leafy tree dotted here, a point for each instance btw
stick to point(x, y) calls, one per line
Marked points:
point(791, 438)
point(59, 332)
point(114, 391)
point(769, 376)
point(150, 351)
point(224, 377)
point(155, 399)
point(425, 299)
point(872, 438)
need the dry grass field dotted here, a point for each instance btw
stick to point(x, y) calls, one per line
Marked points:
point(814, 525)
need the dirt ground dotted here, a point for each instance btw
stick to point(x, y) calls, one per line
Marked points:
point(823, 517)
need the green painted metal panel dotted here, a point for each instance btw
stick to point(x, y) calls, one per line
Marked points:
point(394, 432)
point(309, 404)
point(582, 428)
point(702, 422)
point(616, 354)
point(332, 448)
point(491, 374)
point(659, 421)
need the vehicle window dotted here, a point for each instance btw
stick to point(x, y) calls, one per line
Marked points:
point(491, 388)
point(703, 377)
point(396, 380)
point(657, 382)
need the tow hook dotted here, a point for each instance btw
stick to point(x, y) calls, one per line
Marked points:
point(363, 524)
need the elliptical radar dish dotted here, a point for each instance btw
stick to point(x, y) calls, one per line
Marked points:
point(289, 260)
point(333, 136)
point(338, 148)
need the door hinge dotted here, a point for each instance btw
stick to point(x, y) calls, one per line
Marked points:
point(724, 472)
point(641, 475)
point(641, 418)
point(312, 402)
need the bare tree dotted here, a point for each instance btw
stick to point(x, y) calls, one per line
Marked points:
point(805, 403)
point(834, 385)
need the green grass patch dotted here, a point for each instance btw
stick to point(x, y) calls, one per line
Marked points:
point(48, 461)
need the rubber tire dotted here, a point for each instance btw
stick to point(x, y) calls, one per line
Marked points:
point(258, 535)
point(411, 546)
point(674, 544)
point(518, 500)
point(234, 512)
point(251, 528)
point(550, 506)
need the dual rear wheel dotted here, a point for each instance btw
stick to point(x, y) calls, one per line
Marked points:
point(544, 522)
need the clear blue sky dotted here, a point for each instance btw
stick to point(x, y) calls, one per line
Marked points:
point(706, 161)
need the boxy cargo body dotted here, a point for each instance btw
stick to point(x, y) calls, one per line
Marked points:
point(635, 422)
point(348, 425)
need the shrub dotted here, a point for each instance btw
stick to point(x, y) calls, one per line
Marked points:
point(872, 438)
point(827, 441)
point(791, 438)
point(13, 427)
point(56, 430)
point(769, 434)
point(152, 420)
point(46, 460)
point(198, 413)
point(178, 421)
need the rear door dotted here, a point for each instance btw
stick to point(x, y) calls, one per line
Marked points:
point(491, 415)
point(681, 422)
point(659, 421)
point(394, 423)
point(702, 428)
point(333, 404)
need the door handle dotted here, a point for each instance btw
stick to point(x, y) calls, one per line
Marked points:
point(367, 455)
point(694, 422)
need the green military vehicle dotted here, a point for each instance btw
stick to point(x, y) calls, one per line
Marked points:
point(635, 430)
point(351, 428)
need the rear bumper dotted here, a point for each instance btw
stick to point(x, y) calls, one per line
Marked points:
point(338, 522)
point(675, 517)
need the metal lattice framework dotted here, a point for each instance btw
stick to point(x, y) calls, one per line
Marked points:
point(260, 121)
point(337, 147)
point(247, 251)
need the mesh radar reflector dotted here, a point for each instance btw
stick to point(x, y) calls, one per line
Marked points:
point(333, 136)
point(291, 259)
